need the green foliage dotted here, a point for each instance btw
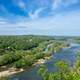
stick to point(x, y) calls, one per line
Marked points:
point(43, 72)
point(26, 61)
point(11, 43)
point(63, 73)
point(39, 55)
point(14, 48)
point(62, 66)
point(24, 51)
point(9, 58)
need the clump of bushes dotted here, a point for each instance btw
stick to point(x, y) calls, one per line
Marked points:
point(9, 58)
point(26, 61)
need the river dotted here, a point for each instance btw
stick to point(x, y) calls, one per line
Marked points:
point(67, 54)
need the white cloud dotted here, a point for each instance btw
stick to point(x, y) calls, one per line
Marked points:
point(35, 15)
point(22, 4)
point(69, 2)
point(58, 3)
point(3, 21)
point(61, 24)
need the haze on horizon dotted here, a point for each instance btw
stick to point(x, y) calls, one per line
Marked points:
point(40, 17)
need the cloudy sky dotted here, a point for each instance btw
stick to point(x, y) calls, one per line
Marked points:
point(41, 17)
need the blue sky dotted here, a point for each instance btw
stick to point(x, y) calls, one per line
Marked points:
point(40, 17)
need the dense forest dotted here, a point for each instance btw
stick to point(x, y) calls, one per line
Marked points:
point(21, 51)
point(16, 50)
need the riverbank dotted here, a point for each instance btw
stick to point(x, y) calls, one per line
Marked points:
point(9, 72)
point(12, 71)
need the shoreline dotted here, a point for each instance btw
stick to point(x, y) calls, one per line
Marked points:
point(12, 71)
point(9, 72)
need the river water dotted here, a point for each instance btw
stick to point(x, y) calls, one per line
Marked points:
point(67, 54)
